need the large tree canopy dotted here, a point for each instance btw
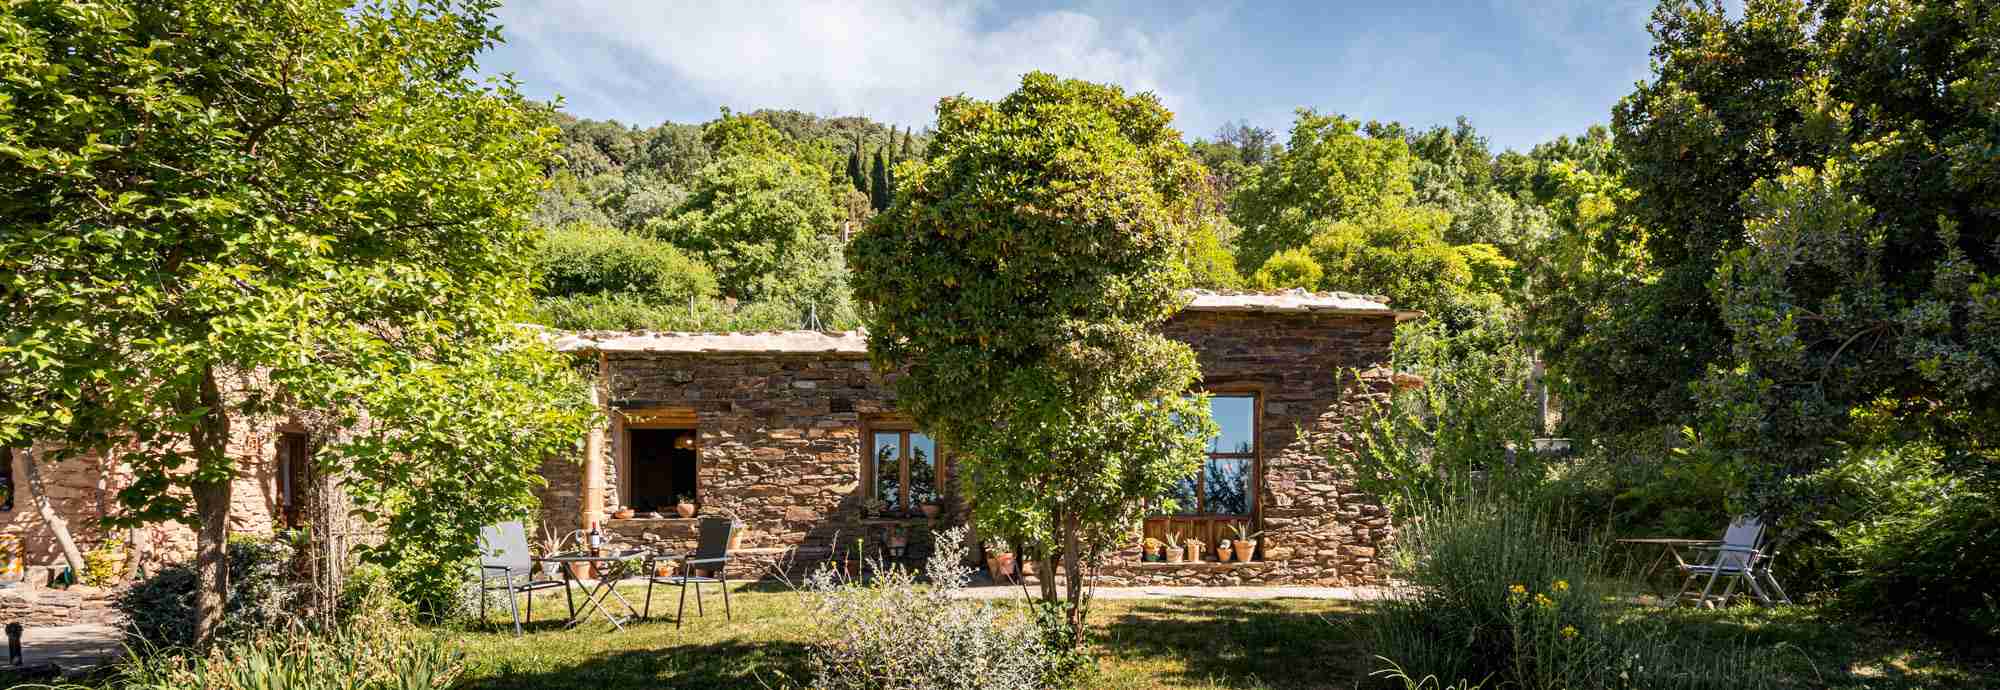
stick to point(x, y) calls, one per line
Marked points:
point(1817, 184)
point(1330, 170)
point(220, 210)
point(1018, 283)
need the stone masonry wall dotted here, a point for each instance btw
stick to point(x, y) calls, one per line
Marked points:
point(780, 446)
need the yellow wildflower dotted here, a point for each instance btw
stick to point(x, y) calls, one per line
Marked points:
point(1560, 586)
point(1517, 589)
point(1544, 601)
point(1569, 632)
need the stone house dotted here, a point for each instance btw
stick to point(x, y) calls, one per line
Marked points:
point(795, 434)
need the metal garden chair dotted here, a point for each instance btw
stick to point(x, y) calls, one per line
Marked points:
point(1737, 560)
point(711, 554)
point(505, 565)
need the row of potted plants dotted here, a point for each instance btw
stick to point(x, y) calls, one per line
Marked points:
point(875, 507)
point(684, 506)
point(1174, 549)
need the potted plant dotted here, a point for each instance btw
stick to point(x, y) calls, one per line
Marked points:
point(874, 507)
point(1151, 549)
point(999, 560)
point(931, 509)
point(1194, 550)
point(1222, 551)
point(736, 528)
point(551, 545)
point(624, 513)
point(1174, 549)
point(684, 505)
point(1246, 541)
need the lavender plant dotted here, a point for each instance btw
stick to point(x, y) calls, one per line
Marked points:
point(898, 632)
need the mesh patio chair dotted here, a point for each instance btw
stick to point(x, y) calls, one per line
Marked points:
point(505, 565)
point(711, 554)
point(1738, 560)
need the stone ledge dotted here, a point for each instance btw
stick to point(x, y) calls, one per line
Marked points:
point(1201, 566)
point(652, 522)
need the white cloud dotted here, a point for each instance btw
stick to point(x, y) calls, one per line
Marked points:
point(888, 60)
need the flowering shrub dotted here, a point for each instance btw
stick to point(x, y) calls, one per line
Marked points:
point(895, 632)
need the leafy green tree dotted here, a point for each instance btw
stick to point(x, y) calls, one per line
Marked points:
point(219, 210)
point(1815, 182)
point(747, 214)
point(1019, 285)
point(1209, 263)
point(1401, 253)
point(1329, 171)
point(1292, 268)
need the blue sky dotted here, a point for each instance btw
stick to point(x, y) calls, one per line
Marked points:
point(1524, 71)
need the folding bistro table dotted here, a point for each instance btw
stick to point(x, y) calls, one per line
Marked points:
point(1669, 548)
point(612, 568)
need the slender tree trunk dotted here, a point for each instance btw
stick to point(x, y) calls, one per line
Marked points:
point(210, 438)
point(1072, 531)
point(57, 526)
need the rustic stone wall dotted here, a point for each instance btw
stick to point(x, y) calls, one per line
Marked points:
point(779, 438)
point(1316, 375)
point(780, 446)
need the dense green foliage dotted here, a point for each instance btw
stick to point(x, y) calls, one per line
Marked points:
point(595, 260)
point(159, 611)
point(1019, 282)
point(220, 211)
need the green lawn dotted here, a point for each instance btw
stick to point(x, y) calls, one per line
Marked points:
point(1177, 643)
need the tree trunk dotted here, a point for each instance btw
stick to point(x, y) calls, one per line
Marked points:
point(1073, 603)
point(57, 526)
point(210, 438)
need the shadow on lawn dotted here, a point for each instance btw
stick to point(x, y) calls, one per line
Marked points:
point(1236, 642)
point(720, 665)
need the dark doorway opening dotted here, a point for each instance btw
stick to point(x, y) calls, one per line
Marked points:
point(663, 468)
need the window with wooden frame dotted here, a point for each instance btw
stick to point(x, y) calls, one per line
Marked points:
point(294, 475)
point(659, 457)
point(1226, 484)
point(902, 468)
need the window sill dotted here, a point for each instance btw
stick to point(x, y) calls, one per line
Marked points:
point(1198, 565)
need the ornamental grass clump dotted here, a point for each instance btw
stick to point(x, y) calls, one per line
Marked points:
point(896, 632)
point(1498, 595)
point(364, 657)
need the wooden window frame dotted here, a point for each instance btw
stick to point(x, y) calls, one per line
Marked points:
point(903, 430)
point(1212, 528)
point(623, 422)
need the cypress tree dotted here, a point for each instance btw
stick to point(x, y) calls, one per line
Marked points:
point(854, 167)
point(907, 152)
point(878, 196)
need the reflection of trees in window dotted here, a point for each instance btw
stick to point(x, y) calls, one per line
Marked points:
point(1228, 484)
point(907, 470)
point(889, 476)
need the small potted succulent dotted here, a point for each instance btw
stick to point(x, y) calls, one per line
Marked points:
point(1151, 549)
point(1222, 551)
point(551, 545)
point(684, 505)
point(623, 513)
point(1246, 541)
point(874, 507)
point(1174, 548)
point(1194, 549)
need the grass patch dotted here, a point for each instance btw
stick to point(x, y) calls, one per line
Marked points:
point(1163, 643)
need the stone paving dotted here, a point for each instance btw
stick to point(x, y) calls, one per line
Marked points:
point(71, 647)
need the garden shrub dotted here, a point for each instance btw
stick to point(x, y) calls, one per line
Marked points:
point(159, 610)
point(365, 658)
point(1499, 595)
point(894, 632)
point(587, 259)
point(1920, 544)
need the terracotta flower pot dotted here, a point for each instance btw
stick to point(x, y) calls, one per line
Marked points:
point(686, 510)
point(1244, 549)
point(624, 514)
point(736, 536)
point(1193, 553)
point(1174, 555)
point(931, 510)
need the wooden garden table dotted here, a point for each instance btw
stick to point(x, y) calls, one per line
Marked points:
point(1669, 548)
